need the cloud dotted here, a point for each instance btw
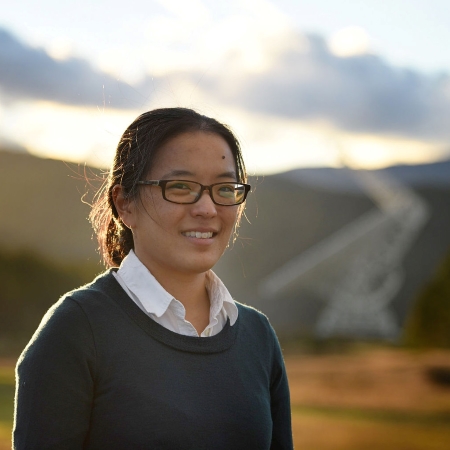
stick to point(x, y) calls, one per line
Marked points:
point(30, 73)
point(294, 77)
point(361, 93)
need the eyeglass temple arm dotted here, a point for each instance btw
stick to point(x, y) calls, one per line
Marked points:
point(149, 182)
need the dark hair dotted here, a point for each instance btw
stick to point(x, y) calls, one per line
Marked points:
point(134, 157)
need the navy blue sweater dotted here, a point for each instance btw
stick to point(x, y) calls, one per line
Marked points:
point(100, 374)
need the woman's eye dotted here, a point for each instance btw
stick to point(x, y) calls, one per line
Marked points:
point(178, 186)
point(228, 187)
point(227, 191)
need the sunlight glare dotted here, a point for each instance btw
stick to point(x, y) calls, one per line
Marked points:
point(60, 48)
point(375, 152)
point(50, 130)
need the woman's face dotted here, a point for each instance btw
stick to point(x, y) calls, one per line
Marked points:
point(163, 231)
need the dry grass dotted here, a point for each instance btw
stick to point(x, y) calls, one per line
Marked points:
point(6, 401)
point(5, 435)
point(384, 379)
point(322, 432)
point(372, 399)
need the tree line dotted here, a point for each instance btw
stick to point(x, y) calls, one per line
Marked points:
point(428, 324)
point(30, 284)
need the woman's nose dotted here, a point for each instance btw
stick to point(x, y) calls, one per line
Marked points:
point(204, 205)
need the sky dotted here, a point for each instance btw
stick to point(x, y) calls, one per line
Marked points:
point(302, 82)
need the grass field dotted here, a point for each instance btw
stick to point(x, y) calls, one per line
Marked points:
point(370, 399)
point(6, 402)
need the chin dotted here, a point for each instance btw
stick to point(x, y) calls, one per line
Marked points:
point(202, 264)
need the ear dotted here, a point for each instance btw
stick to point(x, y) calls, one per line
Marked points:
point(126, 207)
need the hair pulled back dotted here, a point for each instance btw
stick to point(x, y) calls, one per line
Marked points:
point(134, 157)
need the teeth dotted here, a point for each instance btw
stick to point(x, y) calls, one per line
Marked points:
point(198, 234)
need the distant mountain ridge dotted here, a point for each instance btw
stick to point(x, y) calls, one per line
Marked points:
point(432, 175)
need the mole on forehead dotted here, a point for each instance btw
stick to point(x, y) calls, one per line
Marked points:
point(223, 157)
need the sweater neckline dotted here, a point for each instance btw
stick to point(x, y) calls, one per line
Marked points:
point(194, 344)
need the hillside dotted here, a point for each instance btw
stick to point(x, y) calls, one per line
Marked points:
point(42, 207)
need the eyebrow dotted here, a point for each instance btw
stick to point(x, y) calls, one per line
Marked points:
point(182, 173)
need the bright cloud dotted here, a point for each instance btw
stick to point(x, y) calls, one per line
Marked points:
point(61, 48)
point(188, 37)
point(350, 41)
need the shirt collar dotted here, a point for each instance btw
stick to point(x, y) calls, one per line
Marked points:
point(138, 279)
point(220, 297)
point(155, 299)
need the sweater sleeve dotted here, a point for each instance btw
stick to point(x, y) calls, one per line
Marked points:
point(54, 382)
point(280, 403)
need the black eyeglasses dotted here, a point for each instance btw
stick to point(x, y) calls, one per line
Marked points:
point(185, 192)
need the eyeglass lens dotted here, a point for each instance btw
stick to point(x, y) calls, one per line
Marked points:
point(188, 192)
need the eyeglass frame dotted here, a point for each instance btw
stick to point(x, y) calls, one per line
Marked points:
point(162, 184)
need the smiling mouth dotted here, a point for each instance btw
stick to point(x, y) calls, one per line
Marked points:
point(198, 234)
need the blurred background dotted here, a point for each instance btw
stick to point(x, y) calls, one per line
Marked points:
point(343, 111)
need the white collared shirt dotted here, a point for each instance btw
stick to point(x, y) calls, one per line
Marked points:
point(163, 308)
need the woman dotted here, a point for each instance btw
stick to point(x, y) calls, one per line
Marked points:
point(156, 354)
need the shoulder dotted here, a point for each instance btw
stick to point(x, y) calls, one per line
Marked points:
point(94, 298)
point(258, 335)
point(102, 286)
point(64, 334)
point(255, 321)
point(64, 321)
point(73, 305)
point(250, 313)
point(68, 321)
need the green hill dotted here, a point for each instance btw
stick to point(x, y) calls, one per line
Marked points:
point(42, 208)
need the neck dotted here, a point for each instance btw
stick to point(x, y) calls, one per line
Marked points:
point(190, 290)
